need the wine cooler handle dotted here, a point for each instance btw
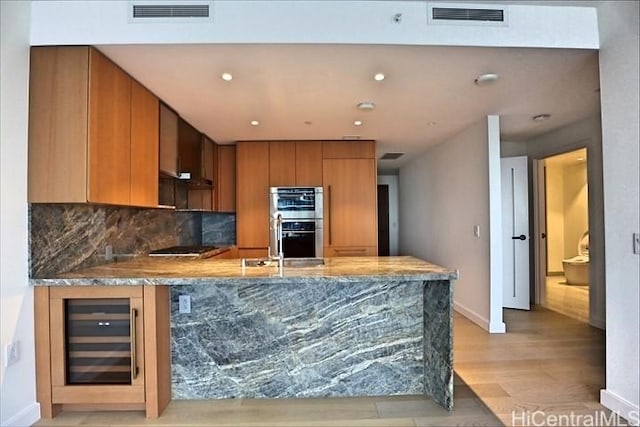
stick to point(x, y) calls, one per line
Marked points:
point(132, 325)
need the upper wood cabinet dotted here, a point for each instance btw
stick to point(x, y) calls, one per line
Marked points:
point(309, 164)
point(252, 195)
point(81, 129)
point(189, 150)
point(168, 141)
point(349, 150)
point(282, 164)
point(225, 182)
point(144, 146)
point(295, 164)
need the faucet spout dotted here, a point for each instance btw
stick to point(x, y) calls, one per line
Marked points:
point(280, 249)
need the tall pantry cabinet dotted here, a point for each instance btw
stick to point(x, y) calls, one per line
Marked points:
point(93, 131)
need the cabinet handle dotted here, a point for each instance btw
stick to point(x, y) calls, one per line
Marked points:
point(132, 328)
point(329, 212)
point(351, 251)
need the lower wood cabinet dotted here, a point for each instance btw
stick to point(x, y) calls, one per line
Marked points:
point(350, 251)
point(102, 347)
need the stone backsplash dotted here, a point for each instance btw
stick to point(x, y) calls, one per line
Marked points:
point(66, 237)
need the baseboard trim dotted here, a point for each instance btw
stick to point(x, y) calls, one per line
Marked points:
point(471, 315)
point(25, 418)
point(620, 406)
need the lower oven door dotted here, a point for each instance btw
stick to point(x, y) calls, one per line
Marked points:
point(302, 239)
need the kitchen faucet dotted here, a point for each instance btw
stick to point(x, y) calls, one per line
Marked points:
point(278, 239)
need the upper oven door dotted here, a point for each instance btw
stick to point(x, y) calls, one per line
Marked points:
point(296, 202)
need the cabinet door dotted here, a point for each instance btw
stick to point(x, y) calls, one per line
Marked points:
point(282, 164)
point(58, 124)
point(144, 146)
point(168, 141)
point(349, 150)
point(252, 196)
point(225, 184)
point(189, 150)
point(208, 158)
point(109, 131)
point(309, 164)
point(350, 208)
point(97, 345)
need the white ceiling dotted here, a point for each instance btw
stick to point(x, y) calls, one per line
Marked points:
point(284, 86)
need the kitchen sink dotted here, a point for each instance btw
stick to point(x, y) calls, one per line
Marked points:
point(303, 262)
point(288, 262)
point(260, 262)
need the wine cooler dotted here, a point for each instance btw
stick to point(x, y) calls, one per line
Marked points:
point(100, 337)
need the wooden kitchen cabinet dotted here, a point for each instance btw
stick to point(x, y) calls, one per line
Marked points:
point(225, 182)
point(145, 118)
point(189, 150)
point(80, 130)
point(308, 164)
point(200, 194)
point(295, 164)
point(252, 195)
point(349, 150)
point(102, 347)
point(350, 207)
point(282, 164)
point(168, 141)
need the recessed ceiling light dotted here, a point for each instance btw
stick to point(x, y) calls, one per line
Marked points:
point(486, 79)
point(379, 77)
point(227, 77)
point(541, 117)
point(431, 123)
point(367, 106)
point(357, 123)
point(254, 123)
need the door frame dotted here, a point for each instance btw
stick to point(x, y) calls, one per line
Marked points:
point(539, 227)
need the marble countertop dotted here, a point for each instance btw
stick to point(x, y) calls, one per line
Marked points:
point(145, 270)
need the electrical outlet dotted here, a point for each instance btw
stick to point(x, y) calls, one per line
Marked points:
point(636, 243)
point(108, 253)
point(11, 353)
point(476, 230)
point(184, 304)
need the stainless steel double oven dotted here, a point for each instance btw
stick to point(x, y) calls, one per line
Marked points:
point(302, 225)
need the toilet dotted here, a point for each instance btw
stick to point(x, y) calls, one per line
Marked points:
point(576, 269)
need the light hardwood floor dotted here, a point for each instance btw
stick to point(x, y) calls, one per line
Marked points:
point(545, 362)
point(570, 300)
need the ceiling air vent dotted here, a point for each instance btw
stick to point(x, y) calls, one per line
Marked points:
point(469, 14)
point(391, 156)
point(164, 11)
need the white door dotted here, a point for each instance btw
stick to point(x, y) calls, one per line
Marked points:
point(515, 230)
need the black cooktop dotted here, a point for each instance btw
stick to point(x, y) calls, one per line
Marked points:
point(194, 251)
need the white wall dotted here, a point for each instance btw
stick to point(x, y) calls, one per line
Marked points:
point(619, 70)
point(576, 215)
point(394, 227)
point(319, 21)
point(443, 194)
point(17, 392)
point(555, 217)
